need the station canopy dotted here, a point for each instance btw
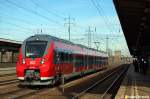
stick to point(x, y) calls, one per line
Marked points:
point(134, 16)
point(9, 45)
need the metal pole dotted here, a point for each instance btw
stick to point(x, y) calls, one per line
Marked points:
point(1, 57)
point(63, 82)
point(89, 31)
point(107, 44)
point(69, 23)
point(12, 56)
point(69, 28)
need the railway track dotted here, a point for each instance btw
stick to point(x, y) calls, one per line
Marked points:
point(10, 74)
point(71, 88)
point(21, 93)
point(5, 82)
point(55, 92)
point(8, 79)
point(7, 71)
point(110, 88)
point(115, 84)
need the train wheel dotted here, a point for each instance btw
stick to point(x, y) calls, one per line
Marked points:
point(53, 82)
point(82, 74)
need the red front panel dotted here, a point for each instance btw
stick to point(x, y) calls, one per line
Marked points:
point(46, 69)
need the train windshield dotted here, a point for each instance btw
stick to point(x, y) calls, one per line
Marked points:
point(35, 49)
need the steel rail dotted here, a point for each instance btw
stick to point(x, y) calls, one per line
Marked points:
point(95, 84)
point(113, 83)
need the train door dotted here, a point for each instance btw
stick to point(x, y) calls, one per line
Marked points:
point(57, 62)
point(74, 63)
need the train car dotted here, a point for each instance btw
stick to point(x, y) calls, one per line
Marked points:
point(44, 59)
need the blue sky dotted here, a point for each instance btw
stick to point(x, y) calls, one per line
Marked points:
point(20, 19)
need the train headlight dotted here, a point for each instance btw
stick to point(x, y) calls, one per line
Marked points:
point(42, 61)
point(23, 61)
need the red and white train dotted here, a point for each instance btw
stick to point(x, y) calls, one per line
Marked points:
point(43, 59)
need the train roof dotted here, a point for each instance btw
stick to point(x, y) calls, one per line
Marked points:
point(46, 37)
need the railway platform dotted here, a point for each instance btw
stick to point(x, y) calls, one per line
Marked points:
point(7, 71)
point(135, 85)
point(7, 68)
point(7, 64)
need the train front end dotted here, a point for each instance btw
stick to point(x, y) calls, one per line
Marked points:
point(34, 66)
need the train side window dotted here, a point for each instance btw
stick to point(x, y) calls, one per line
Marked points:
point(65, 58)
point(66, 55)
point(82, 61)
point(77, 60)
point(62, 57)
point(70, 58)
point(87, 59)
point(55, 57)
point(97, 61)
point(84, 64)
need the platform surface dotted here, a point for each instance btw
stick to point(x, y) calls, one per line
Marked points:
point(8, 70)
point(7, 65)
point(135, 85)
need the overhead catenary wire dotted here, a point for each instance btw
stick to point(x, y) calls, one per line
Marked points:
point(47, 10)
point(100, 13)
point(7, 15)
point(19, 27)
point(105, 19)
point(53, 13)
point(33, 12)
point(118, 22)
point(12, 18)
point(16, 25)
point(18, 19)
point(113, 27)
point(109, 22)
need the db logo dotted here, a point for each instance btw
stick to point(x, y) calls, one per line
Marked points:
point(32, 62)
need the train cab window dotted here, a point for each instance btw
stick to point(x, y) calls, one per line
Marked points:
point(35, 49)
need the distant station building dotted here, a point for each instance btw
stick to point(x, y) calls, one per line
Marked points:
point(117, 57)
point(111, 57)
point(9, 50)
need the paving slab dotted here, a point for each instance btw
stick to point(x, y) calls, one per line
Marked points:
point(135, 85)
